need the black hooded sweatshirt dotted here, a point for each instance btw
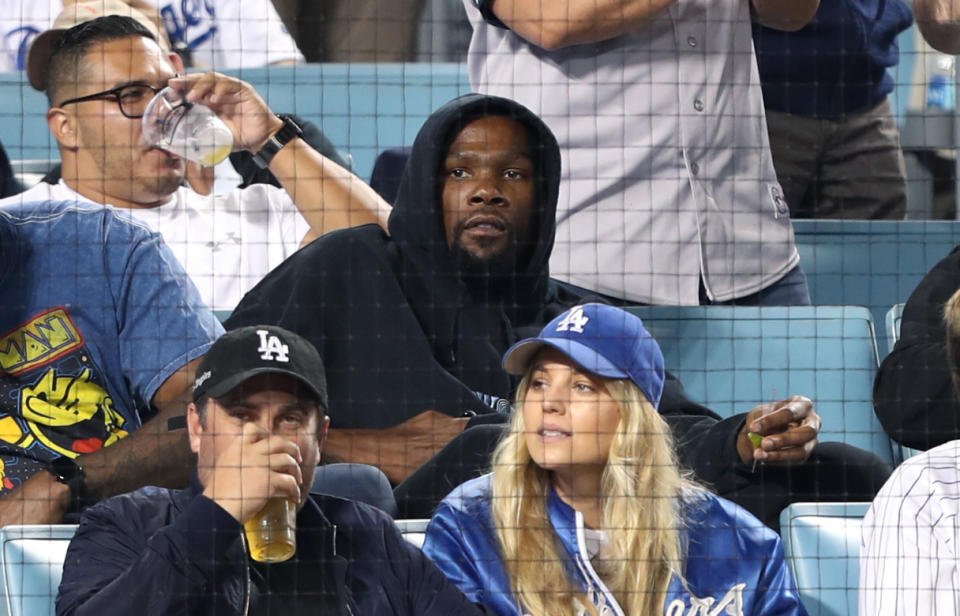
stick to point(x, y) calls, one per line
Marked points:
point(400, 329)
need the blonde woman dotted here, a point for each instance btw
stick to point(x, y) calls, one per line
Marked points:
point(586, 511)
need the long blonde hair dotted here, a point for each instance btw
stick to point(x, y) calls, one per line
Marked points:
point(951, 316)
point(642, 514)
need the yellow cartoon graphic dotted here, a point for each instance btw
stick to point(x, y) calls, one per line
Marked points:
point(5, 482)
point(41, 340)
point(69, 414)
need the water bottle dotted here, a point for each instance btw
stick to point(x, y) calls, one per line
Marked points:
point(941, 87)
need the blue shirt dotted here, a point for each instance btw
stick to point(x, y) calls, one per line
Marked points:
point(835, 65)
point(96, 314)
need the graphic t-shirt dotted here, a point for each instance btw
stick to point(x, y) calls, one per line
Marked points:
point(96, 314)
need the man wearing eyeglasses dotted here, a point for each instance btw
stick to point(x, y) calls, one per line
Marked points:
point(99, 74)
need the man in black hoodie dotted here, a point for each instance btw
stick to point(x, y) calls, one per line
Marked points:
point(412, 325)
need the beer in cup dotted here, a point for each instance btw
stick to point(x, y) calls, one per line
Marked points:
point(189, 130)
point(272, 533)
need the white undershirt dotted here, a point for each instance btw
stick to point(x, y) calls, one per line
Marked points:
point(594, 541)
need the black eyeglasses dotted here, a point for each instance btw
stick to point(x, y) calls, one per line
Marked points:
point(131, 99)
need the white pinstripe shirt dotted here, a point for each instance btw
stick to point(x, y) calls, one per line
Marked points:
point(908, 557)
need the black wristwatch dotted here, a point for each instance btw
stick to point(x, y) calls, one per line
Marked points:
point(290, 131)
point(69, 472)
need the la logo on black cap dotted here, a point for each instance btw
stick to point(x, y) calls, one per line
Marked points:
point(271, 349)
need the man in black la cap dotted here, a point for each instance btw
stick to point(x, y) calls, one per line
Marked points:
point(257, 425)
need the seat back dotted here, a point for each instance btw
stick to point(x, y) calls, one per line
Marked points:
point(893, 318)
point(822, 544)
point(872, 263)
point(732, 358)
point(892, 322)
point(414, 531)
point(31, 558)
point(357, 482)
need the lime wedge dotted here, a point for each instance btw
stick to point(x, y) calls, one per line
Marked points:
point(755, 438)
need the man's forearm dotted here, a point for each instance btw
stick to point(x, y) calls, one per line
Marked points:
point(554, 24)
point(153, 455)
point(328, 196)
point(399, 450)
point(939, 22)
point(385, 449)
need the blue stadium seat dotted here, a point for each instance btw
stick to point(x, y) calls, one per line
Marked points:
point(359, 482)
point(893, 318)
point(31, 558)
point(822, 543)
point(732, 358)
point(870, 263)
point(892, 322)
point(414, 531)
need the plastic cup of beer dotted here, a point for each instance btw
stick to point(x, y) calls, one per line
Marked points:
point(189, 130)
point(272, 533)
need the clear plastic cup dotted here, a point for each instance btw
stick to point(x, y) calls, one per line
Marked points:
point(272, 533)
point(186, 129)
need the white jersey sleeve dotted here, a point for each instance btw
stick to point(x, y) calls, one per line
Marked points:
point(223, 34)
point(20, 23)
point(908, 558)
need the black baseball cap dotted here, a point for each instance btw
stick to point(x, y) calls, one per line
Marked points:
point(259, 349)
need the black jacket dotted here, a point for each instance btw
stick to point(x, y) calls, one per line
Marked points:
point(913, 394)
point(162, 552)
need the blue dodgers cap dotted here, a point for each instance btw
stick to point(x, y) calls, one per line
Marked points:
point(603, 340)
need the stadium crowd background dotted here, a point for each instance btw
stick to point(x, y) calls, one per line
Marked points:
point(870, 157)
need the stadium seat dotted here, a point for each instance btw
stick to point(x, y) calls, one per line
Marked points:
point(822, 543)
point(892, 321)
point(732, 358)
point(31, 172)
point(414, 531)
point(32, 562)
point(869, 262)
point(387, 171)
point(359, 482)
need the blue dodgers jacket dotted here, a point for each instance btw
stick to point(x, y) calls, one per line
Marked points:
point(160, 552)
point(734, 564)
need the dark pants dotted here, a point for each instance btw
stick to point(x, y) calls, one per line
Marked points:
point(850, 167)
point(834, 472)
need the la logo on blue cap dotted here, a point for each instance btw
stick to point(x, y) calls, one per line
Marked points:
point(574, 321)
